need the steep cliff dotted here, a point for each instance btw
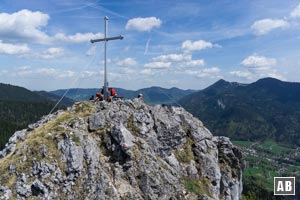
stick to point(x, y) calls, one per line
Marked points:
point(120, 150)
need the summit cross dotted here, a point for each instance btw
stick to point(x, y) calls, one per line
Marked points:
point(106, 39)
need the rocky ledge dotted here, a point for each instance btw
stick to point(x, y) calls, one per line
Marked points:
point(120, 150)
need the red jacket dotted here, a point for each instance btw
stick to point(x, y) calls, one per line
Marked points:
point(113, 92)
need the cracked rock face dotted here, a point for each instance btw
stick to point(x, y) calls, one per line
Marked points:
point(120, 150)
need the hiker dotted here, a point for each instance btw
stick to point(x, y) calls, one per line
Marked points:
point(140, 97)
point(113, 94)
point(99, 96)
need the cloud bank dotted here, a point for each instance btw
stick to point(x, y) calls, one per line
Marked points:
point(143, 24)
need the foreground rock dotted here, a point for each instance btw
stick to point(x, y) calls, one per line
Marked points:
point(120, 150)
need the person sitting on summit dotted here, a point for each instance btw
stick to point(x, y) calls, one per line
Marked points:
point(140, 97)
point(113, 94)
point(99, 96)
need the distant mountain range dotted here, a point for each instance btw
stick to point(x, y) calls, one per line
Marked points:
point(20, 107)
point(152, 95)
point(54, 98)
point(266, 109)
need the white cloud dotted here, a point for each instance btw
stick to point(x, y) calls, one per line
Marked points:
point(158, 65)
point(24, 73)
point(67, 74)
point(275, 74)
point(78, 37)
point(127, 70)
point(107, 61)
point(173, 81)
point(264, 26)
point(182, 60)
point(89, 74)
point(173, 58)
point(193, 63)
point(211, 70)
point(143, 24)
point(24, 24)
point(147, 72)
point(44, 72)
point(51, 53)
point(127, 62)
point(28, 25)
point(242, 74)
point(296, 12)
point(188, 45)
point(207, 72)
point(258, 62)
point(23, 67)
point(258, 67)
point(13, 49)
point(92, 51)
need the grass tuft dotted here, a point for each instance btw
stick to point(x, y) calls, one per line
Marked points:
point(198, 187)
point(185, 155)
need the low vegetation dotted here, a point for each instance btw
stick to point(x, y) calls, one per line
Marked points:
point(185, 153)
point(30, 150)
point(196, 186)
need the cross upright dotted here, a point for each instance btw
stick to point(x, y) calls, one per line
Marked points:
point(106, 39)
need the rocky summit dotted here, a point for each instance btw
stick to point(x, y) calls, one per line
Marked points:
point(119, 150)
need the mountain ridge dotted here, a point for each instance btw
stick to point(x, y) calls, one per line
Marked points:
point(266, 109)
point(151, 95)
point(120, 150)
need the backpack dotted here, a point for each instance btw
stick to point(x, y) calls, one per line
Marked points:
point(113, 92)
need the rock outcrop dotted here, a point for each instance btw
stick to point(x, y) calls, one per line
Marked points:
point(120, 150)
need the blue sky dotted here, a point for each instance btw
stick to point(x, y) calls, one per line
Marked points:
point(44, 45)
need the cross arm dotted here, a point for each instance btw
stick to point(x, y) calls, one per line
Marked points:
point(120, 37)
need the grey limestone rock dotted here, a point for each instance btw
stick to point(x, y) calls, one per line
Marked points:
point(42, 169)
point(23, 189)
point(44, 120)
point(71, 154)
point(6, 193)
point(11, 169)
point(43, 150)
point(173, 162)
point(38, 188)
point(192, 170)
point(97, 121)
point(11, 145)
point(122, 150)
point(169, 131)
point(122, 136)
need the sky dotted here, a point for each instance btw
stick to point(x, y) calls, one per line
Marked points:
point(189, 44)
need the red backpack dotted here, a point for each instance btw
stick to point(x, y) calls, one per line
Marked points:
point(113, 92)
